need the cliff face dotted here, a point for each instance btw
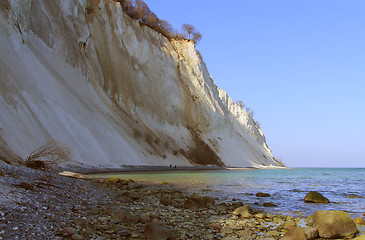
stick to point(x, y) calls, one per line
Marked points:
point(83, 73)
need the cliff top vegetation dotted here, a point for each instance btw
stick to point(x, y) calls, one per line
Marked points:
point(139, 10)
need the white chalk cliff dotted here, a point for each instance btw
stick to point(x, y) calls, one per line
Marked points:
point(83, 73)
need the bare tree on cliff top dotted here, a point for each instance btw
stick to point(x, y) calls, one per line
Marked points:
point(188, 30)
point(197, 37)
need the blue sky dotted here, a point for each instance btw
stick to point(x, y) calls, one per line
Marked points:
point(300, 65)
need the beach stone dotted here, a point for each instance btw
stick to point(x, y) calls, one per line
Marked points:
point(296, 233)
point(261, 194)
point(189, 204)
point(243, 211)
point(244, 233)
point(289, 225)
point(123, 215)
point(227, 229)
point(155, 216)
point(354, 196)
point(131, 218)
point(197, 199)
point(270, 204)
point(222, 207)
point(176, 195)
point(274, 233)
point(77, 237)
point(311, 233)
point(156, 231)
point(315, 197)
point(259, 215)
point(69, 231)
point(112, 180)
point(102, 227)
point(215, 226)
point(2, 173)
point(144, 218)
point(208, 200)
point(202, 201)
point(359, 221)
point(334, 224)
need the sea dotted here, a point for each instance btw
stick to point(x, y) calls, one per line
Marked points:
point(344, 187)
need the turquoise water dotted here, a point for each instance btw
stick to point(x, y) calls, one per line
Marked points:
point(344, 187)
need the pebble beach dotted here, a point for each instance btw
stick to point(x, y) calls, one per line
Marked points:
point(41, 204)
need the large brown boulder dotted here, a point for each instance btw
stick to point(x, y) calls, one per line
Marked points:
point(315, 197)
point(334, 224)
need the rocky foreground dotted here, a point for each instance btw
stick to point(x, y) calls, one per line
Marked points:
point(38, 204)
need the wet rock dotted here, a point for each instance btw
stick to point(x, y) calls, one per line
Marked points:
point(354, 196)
point(311, 233)
point(222, 208)
point(189, 204)
point(156, 231)
point(208, 200)
point(270, 204)
point(359, 221)
point(334, 224)
point(197, 199)
point(112, 180)
point(315, 197)
point(296, 233)
point(261, 194)
point(243, 211)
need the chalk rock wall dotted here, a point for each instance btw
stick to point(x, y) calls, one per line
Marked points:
point(83, 73)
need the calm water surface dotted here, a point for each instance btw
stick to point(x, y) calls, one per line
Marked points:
point(344, 187)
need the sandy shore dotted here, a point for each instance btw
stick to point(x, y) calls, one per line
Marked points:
point(37, 204)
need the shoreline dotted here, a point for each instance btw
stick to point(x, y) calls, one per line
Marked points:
point(40, 204)
point(131, 169)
